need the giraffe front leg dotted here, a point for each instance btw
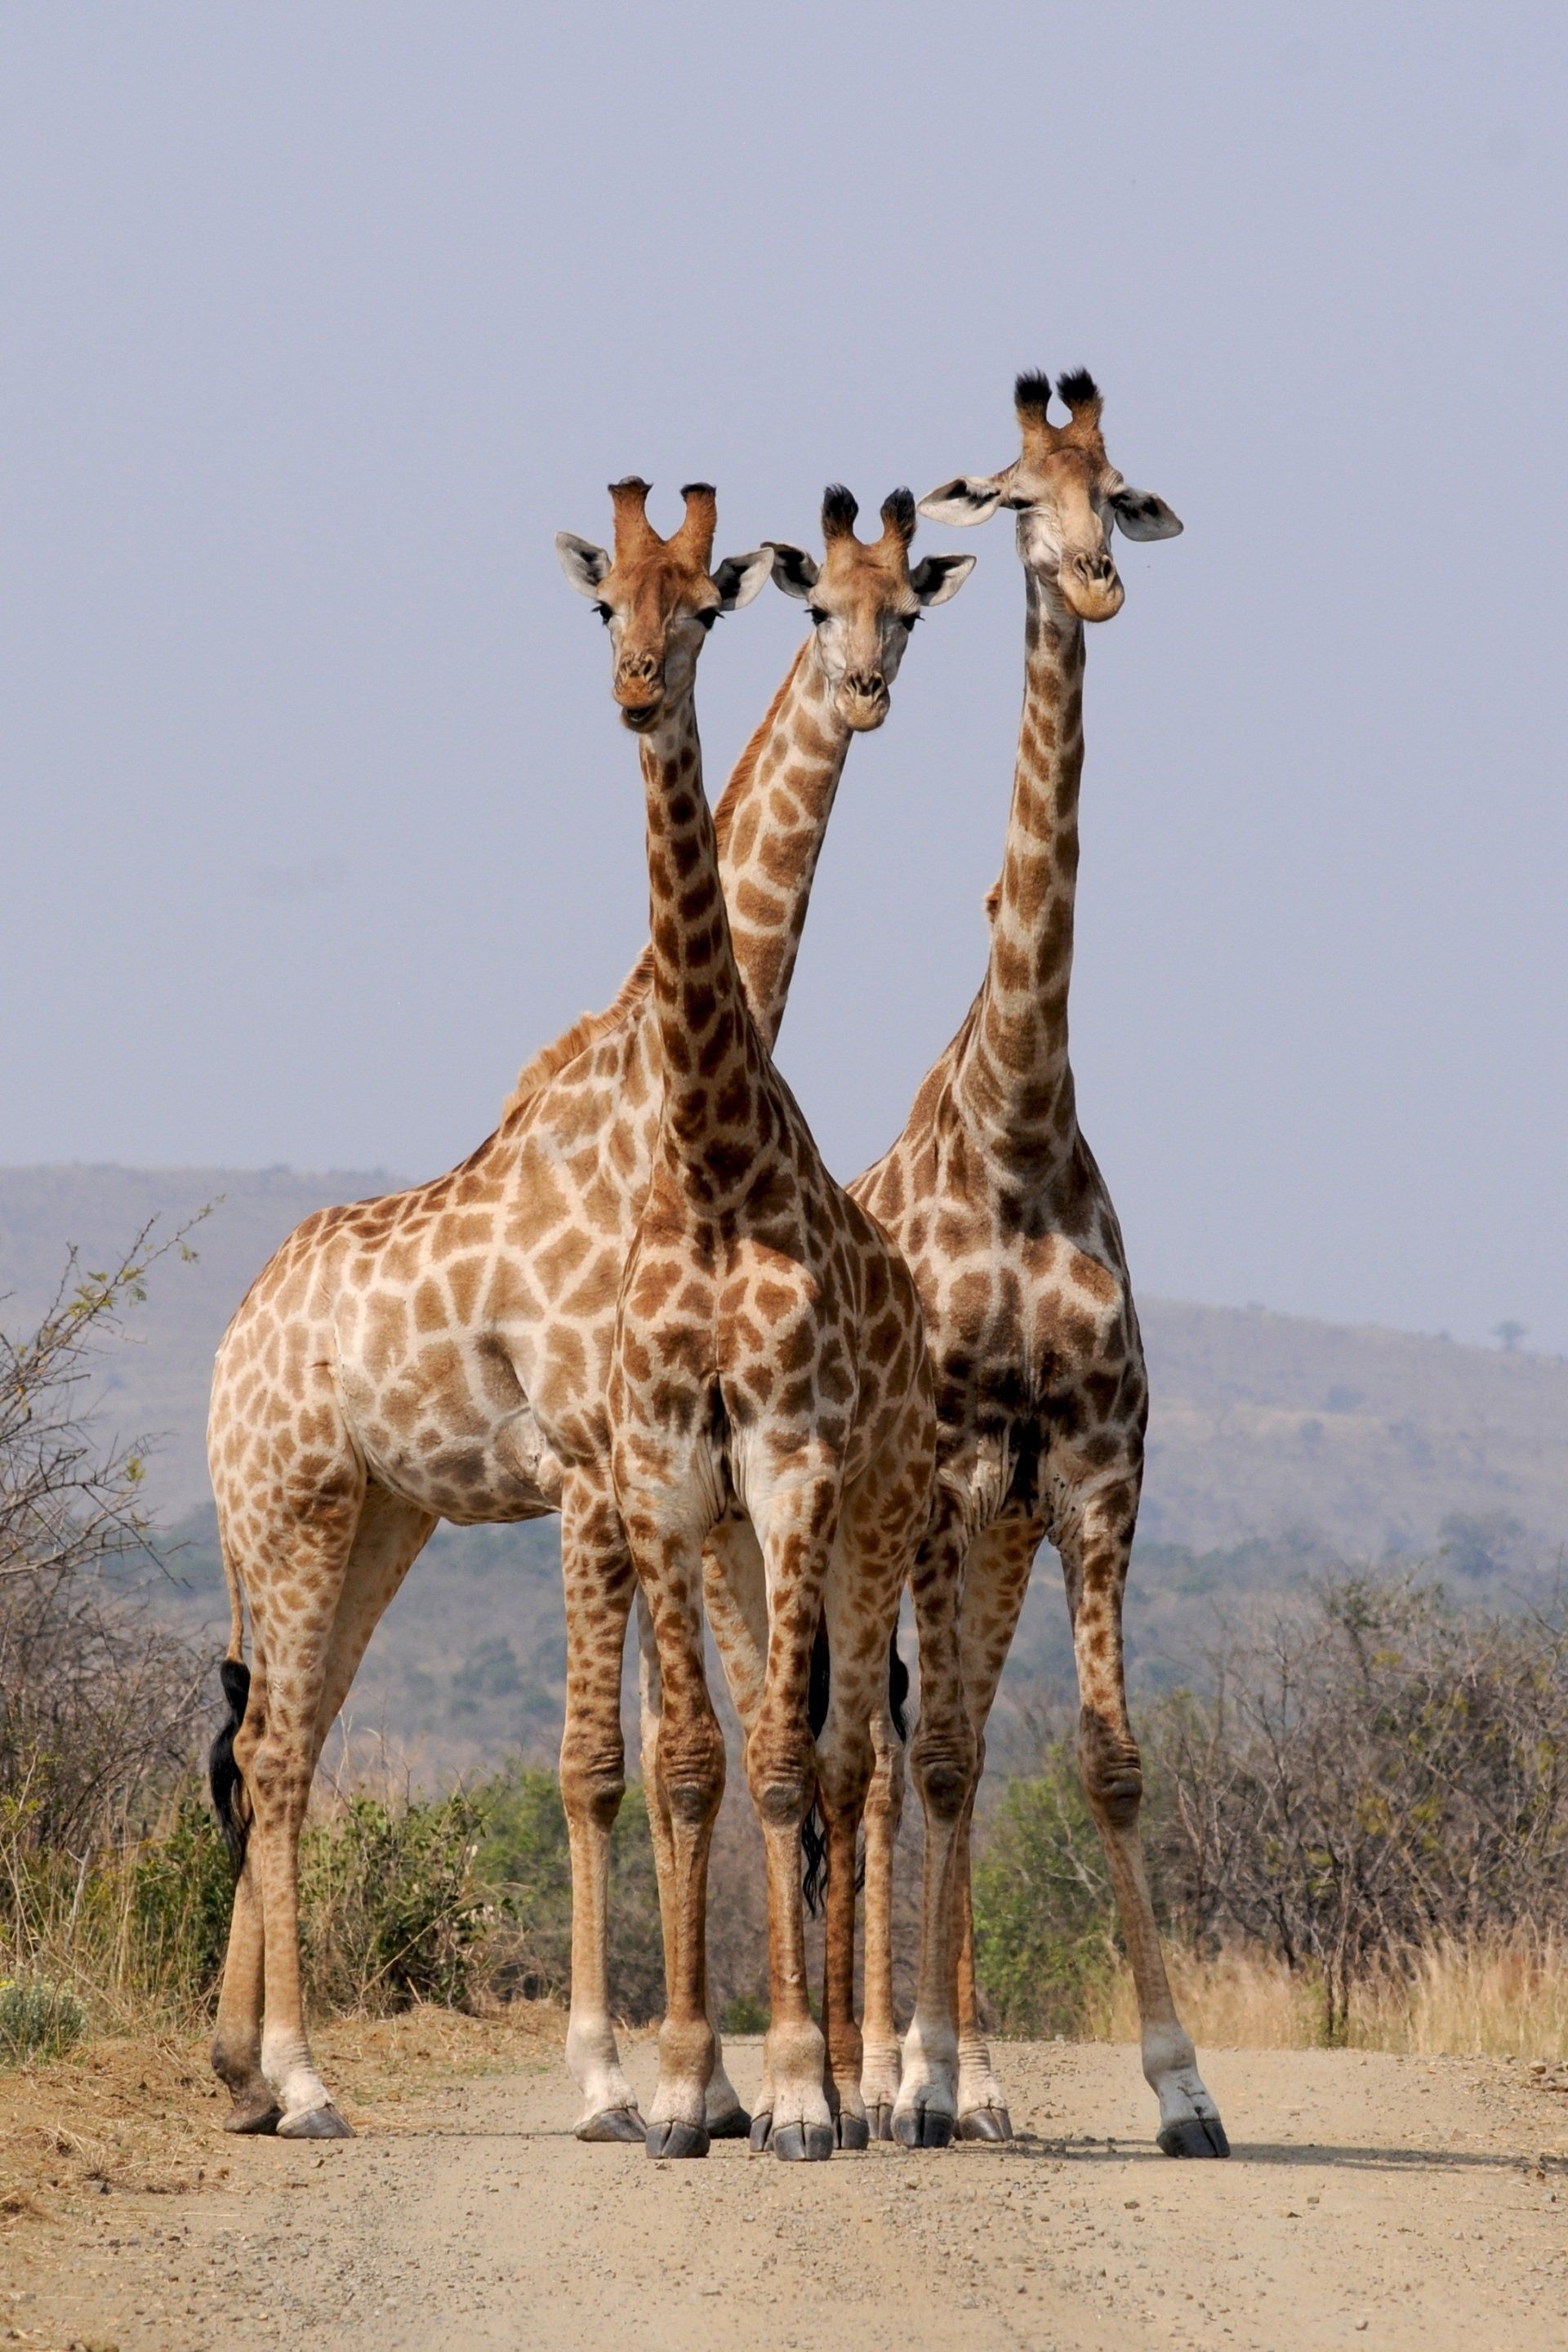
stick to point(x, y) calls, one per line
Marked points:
point(982, 2101)
point(797, 2120)
point(597, 1575)
point(880, 2064)
point(995, 1582)
point(941, 1762)
point(726, 2118)
point(1096, 1544)
point(691, 1786)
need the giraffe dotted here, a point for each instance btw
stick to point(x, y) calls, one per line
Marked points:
point(442, 1352)
point(768, 1354)
point(994, 1197)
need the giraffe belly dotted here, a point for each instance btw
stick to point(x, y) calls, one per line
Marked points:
point(450, 1450)
point(513, 1476)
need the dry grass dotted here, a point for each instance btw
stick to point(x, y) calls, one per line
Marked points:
point(1455, 2001)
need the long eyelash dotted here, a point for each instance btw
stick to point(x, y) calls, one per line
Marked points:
point(604, 612)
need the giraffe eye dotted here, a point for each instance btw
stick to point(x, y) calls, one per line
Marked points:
point(705, 620)
point(604, 612)
point(908, 620)
point(817, 615)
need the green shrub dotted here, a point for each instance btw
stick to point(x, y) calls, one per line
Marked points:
point(37, 2019)
point(390, 1914)
point(182, 1891)
point(524, 1861)
point(1044, 1913)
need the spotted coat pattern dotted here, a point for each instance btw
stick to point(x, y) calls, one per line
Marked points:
point(444, 1352)
point(995, 1197)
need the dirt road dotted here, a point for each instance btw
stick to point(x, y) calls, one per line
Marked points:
point(1373, 2201)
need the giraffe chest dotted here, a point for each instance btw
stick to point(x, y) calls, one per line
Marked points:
point(1037, 1367)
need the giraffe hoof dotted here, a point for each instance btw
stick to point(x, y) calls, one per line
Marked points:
point(992, 2124)
point(880, 2116)
point(316, 2123)
point(677, 2140)
point(922, 2127)
point(761, 2134)
point(854, 2132)
point(804, 2143)
point(623, 2124)
point(262, 2114)
point(733, 2124)
point(1199, 2135)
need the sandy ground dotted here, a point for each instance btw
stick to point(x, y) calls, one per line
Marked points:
point(1370, 2201)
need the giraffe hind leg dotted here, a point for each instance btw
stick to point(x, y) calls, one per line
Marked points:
point(1095, 1543)
point(388, 1536)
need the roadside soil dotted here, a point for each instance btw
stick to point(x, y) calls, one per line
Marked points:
point(1370, 2201)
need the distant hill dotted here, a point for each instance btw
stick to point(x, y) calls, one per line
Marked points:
point(1265, 1426)
point(1277, 1445)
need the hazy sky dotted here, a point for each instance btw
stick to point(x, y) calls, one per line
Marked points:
point(320, 320)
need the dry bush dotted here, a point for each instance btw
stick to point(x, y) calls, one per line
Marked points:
point(100, 1703)
point(1359, 1834)
point(1376, 1778)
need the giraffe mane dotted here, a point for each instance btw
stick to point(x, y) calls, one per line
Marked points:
point(745, 766)
point(551, 1059)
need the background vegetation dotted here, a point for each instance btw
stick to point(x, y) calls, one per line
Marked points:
point(1357, 1810)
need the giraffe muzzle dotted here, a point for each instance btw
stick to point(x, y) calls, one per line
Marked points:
point(1092, 586)
point(863, 701)
point(640, 690)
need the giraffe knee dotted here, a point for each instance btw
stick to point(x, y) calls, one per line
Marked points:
point(844, 1772)
point(692, 1768)
point(944, 1763)
point(592, 1782)
point(783, 1777)
point(276, 1779)
point(1113, 1772)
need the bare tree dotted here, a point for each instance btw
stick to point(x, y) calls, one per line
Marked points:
point(97, 1699)
point(1372, 1774)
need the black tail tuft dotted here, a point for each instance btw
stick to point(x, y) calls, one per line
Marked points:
point(222, 1772)
point(813, 1829)
point(897, 1688)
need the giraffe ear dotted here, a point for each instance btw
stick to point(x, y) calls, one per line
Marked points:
point(795, 571)
point(585, 565)
point(1141, 515)
point(966, 498)
point(739, 577)
point(939, 577)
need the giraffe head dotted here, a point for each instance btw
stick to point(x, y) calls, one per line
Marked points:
point(658, 597)
point(1068, 495)
point(864, 599)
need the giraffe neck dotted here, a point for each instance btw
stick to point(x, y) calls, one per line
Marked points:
point(708, 1040)
point(770, 824)
point(1014, 1082)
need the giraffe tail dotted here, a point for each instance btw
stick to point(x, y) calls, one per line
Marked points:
point(813, 1829)
point(224, 1776)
